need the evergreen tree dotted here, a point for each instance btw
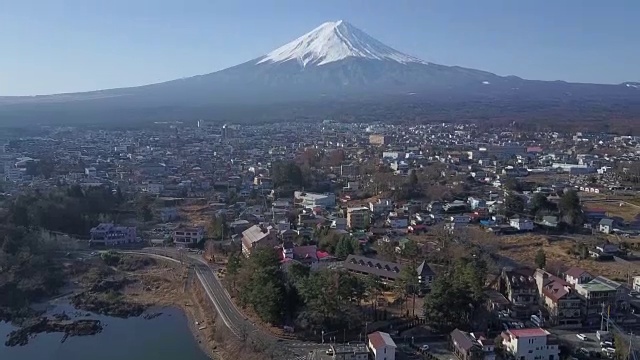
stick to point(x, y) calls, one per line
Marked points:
point(541, 259)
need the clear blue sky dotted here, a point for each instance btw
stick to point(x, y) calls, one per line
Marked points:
point(51, 46)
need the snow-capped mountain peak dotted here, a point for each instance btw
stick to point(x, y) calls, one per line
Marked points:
point(334, 41)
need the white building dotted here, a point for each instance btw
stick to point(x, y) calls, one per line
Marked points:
point(636, 283)
point(188, 236)
point(108, 234)
point(311, 200)
point(382, 346)
point(530, 344)
point(521, 224)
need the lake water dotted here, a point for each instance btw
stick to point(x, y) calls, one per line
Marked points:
point(166, 337)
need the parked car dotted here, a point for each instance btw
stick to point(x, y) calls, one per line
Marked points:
point(582, 337)
point(424, 347)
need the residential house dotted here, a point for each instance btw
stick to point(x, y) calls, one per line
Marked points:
point(307, 255)
point(606, 225)
point(108, 234)
point(426, 276)
point(576, 275)
point(560, 299)
point(339, 224)
point(519, 286)
point(464, 346)
point(496, 301)
point(382, 206)
point(263, 183)
point(460, 219)
point(521, 224)
point(435, 207)
point(488, 346)
point(530, 344)
point(287, 235)
point(396, 221)
point(477, 203)
point(258, 236)
point(239, 226)
point(349, 171)
point(605, 251)
point(188, 236)
point(358, 218)
point(382, 346)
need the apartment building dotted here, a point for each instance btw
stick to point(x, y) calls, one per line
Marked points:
point(358, 218)
point(108, 234)
point(560, 299)
point(186, 236)
point(597, 293)
point(312, 200)
point(530, 344)
point(519, 286)
point(377, 139)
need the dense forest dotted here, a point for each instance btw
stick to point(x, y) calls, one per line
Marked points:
point(27, 270)
point(334, 299)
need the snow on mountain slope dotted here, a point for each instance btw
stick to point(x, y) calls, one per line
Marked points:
point(334, 41)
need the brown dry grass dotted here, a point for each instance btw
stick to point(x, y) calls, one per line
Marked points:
point(523, 248)
point(614, 208)
point(169, 284)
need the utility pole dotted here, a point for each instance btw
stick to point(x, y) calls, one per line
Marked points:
point(602, 317)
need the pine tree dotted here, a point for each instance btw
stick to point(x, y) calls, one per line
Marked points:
point(541, 259)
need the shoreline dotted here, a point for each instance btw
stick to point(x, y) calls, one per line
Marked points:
point(166, 284)
point(141, 289)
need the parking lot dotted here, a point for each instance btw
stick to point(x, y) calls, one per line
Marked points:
point(590, 343)
point(438, 349)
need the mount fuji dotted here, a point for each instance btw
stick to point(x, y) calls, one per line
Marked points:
point(335, 62)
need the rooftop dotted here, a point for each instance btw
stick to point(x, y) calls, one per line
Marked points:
point(520, 333)
point(599, 284)
point(379, 339)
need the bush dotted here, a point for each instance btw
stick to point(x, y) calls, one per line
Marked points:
point(110, 258)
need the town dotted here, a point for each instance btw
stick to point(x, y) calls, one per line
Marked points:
point(365, 241)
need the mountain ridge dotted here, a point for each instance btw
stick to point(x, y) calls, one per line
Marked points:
point(335, 61)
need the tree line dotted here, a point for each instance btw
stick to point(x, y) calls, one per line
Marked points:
point(330, 300)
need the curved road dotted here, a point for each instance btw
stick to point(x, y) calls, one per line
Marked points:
point(232, 317)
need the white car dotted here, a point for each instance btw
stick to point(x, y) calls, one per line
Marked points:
point(424, 347)
point(582, 337)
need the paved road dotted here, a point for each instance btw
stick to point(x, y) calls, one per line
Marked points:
point(231, 316)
